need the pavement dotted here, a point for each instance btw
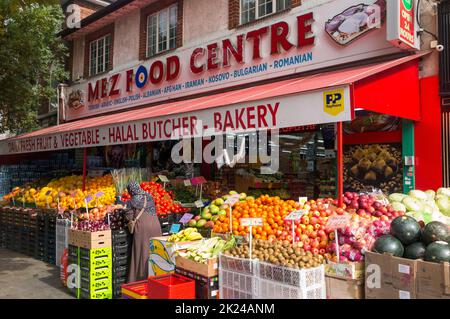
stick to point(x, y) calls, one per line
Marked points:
point(23, 277)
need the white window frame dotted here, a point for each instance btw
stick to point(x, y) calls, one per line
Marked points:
point(275, 9)
point(168, 38)
point(105, 63)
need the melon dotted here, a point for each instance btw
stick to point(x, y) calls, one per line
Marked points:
point(406, 229)
point(388, 244)
point(415, 251)
point(438, 251)
point(435, 231)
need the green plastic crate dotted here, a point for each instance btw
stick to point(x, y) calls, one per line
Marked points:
point(92, 274)
point(95, 253)
point(102, 293)
point(96, 284)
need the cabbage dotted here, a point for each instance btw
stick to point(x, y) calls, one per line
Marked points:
point(444, 191)
point(444, 205)
point(418, 194)
point(412, 204)
point(437, 216)
point(416, 215)
point(430, 194)
point(398, 206)
point(396, 197)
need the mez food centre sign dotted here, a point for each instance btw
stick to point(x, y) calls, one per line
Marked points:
point(304, 39)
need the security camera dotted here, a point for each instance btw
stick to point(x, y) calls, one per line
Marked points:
point(440, 48)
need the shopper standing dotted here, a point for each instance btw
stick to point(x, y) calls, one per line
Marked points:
point(141, 209)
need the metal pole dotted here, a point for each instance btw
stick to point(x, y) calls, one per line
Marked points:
point(84, 168)
point(340, 163)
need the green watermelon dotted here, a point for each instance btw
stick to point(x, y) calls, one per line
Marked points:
point(438, 251)
point(388, 244)
point(406, 229)
point(435, 231)
point(415, 251)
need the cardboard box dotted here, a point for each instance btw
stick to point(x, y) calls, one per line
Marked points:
point(433, 279)
point(426, 296)
point(162, 255)
point(90, 240)
point(210, 269)
point(344, 288)
point(404, 275)
point(349, 270)
point(383, 261)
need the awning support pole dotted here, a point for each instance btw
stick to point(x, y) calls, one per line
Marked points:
point(84, 168)
point(340, 163)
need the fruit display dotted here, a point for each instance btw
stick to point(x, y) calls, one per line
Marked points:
point(366, 166)
point(280, 253)
point(117, 219)
point(272, 210)
point(163, 199)
point(207, 249)
point(68, 191)
point(408, 239)
point(91, 226)
point(188, 234)
point(424, 205)
point(182, 193)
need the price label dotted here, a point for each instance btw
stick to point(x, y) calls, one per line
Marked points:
point(187, 182)
point(247, 222)
point(99, 194)
point(302, 200)
point(199, 203)
point(88, 198)
point(338, 221)
point(198, 180)
point(163, 178)
point(175, 228)
point(48, 193)
point(186, 218)
point(296, 215)
point(233, 199)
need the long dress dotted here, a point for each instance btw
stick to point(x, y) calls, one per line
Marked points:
point(146, 227)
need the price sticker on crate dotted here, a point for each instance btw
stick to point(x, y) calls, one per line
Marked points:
point(186, 218)
point(199, 203)
point(251, 222)
point(175, 228)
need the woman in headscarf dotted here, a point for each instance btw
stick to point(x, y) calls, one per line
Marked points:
point(147, 226)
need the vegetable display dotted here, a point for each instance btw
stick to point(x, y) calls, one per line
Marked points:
point(207, 249)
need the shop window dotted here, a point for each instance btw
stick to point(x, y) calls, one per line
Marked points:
point(162, 31)
point(251, 10)
point(99, 55)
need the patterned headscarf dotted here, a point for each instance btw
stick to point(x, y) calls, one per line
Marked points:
point(138, 196)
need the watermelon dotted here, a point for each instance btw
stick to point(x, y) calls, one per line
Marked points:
point(415, 251)
point(406, 229)
point(435, 231)
point(388, 244)
point(438, 251)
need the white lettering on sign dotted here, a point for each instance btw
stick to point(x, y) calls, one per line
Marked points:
point(199, 203)
point(298, 41)
point(163, 178)
point(279, 112)
point(247, 222)
point(233, 199)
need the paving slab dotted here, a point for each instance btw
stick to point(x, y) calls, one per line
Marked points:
point(23, 277)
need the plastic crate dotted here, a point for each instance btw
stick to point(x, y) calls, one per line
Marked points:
point(244, 279)
point(119, 235)
point(120, 261)
point(135, 290)
point(92, 274)
point(171, 286)
point(120, 250)
point(119, 272)
point(97, 253)
point(95, 284)
point(101, 293)
point(95, 263)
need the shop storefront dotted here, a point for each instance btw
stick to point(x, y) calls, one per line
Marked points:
point(314, 101)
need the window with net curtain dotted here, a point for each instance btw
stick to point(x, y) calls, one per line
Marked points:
point(162, 31)
point(251, 10)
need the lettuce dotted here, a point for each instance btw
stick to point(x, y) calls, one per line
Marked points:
point(396, 197)
point(418, 194)
point(412, 204)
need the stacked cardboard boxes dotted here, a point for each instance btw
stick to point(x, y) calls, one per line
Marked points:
point(433, 280)
point(344, 280)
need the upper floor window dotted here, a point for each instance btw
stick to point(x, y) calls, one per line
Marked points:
point(162, 31)
point(251, 10)
point(99, 55)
